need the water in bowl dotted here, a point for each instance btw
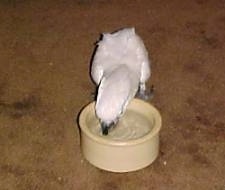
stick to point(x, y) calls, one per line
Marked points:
point(132, 125)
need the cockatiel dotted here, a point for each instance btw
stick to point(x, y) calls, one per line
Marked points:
point(120, 68)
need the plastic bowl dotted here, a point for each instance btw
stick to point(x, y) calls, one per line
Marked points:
point(123, 155)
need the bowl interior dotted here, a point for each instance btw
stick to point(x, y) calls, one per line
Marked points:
point(132, 125)
point(140, 122)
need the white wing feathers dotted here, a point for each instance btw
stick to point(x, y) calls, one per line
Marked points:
point(115, 91)
point(120, 63)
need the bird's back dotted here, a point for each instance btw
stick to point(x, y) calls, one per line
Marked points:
point(121, 47)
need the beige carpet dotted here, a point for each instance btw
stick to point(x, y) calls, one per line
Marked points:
point(45, 52)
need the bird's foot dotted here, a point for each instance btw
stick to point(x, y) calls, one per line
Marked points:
point(145, 94)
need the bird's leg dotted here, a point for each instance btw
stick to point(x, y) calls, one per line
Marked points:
point(94, 94)
point(143, 93)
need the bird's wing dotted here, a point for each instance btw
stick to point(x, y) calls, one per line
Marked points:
point(145, 71)
point(96, 72)
point(97, 65)
point(142, 55)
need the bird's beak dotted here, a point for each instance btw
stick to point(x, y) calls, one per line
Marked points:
point(105, 127)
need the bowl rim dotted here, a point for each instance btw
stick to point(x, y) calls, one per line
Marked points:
point(130, 142)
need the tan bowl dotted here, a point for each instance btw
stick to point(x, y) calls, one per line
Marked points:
point(120, 156)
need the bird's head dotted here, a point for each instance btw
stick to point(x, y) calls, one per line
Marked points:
point(105, 126)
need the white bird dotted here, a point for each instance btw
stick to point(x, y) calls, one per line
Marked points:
point(120, 68)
